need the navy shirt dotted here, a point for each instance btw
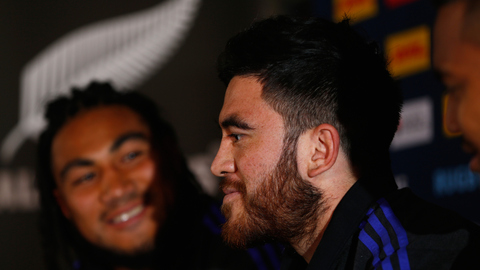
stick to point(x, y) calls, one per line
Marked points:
point(380, 227)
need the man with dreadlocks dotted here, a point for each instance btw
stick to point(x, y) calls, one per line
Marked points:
point(116, 192)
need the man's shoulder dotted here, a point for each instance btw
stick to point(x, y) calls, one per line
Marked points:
point(422, 217)
point(426, 235)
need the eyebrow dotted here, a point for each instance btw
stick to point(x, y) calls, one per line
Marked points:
point(126, 137)
point(81, 162)
point(235, 121)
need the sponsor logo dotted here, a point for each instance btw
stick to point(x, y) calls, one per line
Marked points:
point(357, 10)
point(416, 124)
point(397, 3)
point(454, 180)
point(409, 51)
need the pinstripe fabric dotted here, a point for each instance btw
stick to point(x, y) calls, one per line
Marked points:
point(385, 237)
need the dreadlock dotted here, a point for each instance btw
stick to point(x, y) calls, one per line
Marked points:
point(59, 237)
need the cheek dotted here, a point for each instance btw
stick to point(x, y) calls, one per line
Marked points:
point(469, 117)
point(254, 167)
point(249, 161)
point(473, 99)
point(145, 173)
point(149, 180)
point(84, 209)
point(469, 102)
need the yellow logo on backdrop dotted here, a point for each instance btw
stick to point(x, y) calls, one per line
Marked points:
point(357, 10)
point(409, 51)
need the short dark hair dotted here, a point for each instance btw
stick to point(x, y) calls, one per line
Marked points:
point(315, 71)
point(59, 237)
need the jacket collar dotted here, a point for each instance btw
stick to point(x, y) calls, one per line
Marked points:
point(343, 225)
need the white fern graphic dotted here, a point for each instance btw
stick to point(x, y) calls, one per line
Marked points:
point(124, 50)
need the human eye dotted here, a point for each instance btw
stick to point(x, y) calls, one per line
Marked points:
point(236, 137)
point(131, 156)
point(87, 177)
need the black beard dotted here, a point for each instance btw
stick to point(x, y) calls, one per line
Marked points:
point(284, 208)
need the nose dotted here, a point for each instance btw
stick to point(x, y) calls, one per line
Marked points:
point(223, 162)
point(450, 116)
point(115, 185)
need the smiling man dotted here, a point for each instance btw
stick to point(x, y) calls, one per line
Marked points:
point(308, 116)
point(456, 57)
point(116, 192)
point(123, 211)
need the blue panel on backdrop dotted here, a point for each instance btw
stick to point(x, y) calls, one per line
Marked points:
point(423, 158)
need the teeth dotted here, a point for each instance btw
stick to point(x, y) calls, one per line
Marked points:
point(127, 215)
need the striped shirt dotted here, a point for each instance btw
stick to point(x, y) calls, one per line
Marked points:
point(376, 227)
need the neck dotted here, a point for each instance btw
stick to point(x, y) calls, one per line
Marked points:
point(334, 186)
point(307, 245)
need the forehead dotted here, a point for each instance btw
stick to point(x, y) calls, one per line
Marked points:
point(454, 57)
point(244, 104)
point(244, 96)
point(93, 129)
point(447, 33)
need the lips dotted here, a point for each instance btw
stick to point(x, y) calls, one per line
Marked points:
point(229, 190)
point(232, 189)
point(228, 186)
point(125, 216)
point(231, 194)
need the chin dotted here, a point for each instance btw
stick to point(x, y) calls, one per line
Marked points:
point(132, 248)
point(132, 242)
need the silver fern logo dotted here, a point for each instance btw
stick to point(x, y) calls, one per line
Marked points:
point(125, 50)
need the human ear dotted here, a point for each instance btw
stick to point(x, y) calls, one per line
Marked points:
point(61, 203)
point(325, 143)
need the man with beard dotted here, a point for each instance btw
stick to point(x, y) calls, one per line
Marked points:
point(456, 57)
point(308, 117)
point(116, 192)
